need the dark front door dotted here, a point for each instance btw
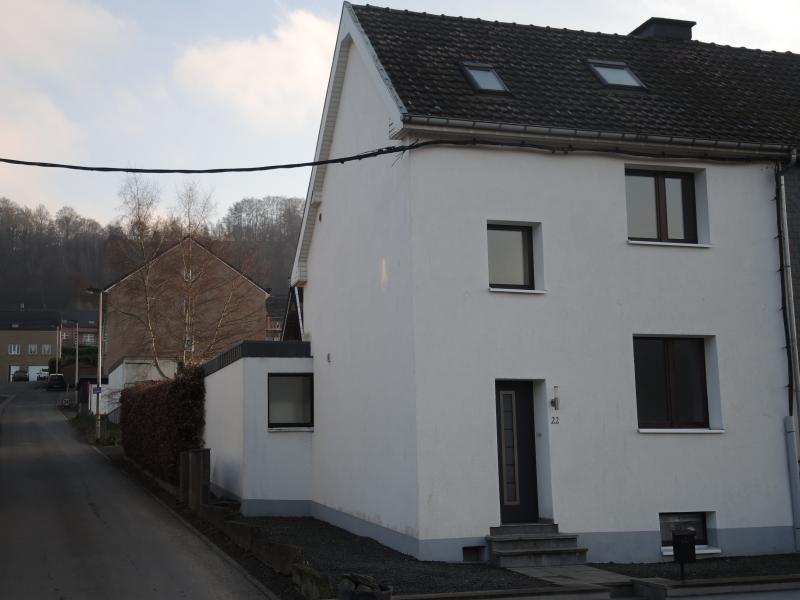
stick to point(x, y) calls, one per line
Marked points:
point(516, 452)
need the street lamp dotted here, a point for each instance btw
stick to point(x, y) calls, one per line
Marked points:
point(77, 363)
point(99, 292)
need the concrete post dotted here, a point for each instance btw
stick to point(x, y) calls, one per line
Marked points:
point(183, 476)
point(199, 477)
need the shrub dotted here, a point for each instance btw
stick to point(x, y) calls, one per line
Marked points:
point(160, 420)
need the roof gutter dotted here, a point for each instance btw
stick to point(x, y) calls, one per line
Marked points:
point(588, 140)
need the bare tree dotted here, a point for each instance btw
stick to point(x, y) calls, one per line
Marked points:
point(181, 297)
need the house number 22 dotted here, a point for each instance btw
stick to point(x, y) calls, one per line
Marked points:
point(554, 420)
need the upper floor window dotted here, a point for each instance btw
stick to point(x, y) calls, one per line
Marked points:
point(88, 338)
point(47, 348)
point(484, 78)
point(13, 349)
point(65, 335)
point(510, 256)
point(661, 206)
point(671, 387)
point(32, 348)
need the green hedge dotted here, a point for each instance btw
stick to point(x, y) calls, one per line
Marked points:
point(160, 420)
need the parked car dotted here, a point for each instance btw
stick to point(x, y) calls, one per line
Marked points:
point(56, 381)
point(19, 376)
point(42, 375)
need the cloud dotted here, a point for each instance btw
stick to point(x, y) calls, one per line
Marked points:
point(56, 38)
point(48, 45)
point(275, 80)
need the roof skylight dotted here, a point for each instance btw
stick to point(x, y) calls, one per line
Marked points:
point(484, 78)
point(615, 73)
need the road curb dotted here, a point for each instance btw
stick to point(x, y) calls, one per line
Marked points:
point(216, 549)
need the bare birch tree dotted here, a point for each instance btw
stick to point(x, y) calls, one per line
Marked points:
point(181, 296)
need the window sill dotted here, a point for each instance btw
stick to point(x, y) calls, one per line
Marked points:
point(677, 430)
point(677, 244)
point(290, 429)
point(667, 550)
point(516, 291)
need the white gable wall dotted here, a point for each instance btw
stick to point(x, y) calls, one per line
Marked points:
point(358, 314)
point(608, 480)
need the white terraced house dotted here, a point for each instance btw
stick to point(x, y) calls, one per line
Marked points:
point(556, 333)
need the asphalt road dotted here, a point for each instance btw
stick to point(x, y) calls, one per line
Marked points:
point(73, 527)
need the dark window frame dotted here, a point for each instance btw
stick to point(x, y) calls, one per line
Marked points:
point(688, 199)
point(310, 422)
point(527, 232)
point(701, 537)
point(669, 371)
point(465, 68)
point(615, 64)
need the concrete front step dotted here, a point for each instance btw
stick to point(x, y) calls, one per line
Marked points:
point(532, 541)
point(539, 557)
point(523, 528)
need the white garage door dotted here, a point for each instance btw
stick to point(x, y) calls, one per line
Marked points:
point(34, 370)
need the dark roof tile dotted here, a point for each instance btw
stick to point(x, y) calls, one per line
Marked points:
point(694, 89)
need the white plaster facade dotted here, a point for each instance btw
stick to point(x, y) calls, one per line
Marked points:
point(409, 340)
point(267, 470)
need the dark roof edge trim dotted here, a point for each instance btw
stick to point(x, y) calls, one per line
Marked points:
point(257, 349)
point(420, 124)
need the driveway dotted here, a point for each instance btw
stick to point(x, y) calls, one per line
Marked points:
point(73, 527)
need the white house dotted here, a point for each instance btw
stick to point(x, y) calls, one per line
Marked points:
point(562, 315)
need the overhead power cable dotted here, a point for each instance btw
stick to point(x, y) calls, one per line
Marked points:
point(554, 149)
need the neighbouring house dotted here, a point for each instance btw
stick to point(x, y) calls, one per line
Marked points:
point(28, 340)
point(561, 312)
point(86, 334)
point(183, 307)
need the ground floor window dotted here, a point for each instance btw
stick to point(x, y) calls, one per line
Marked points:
point(670, 382)
point(290, 400)
point(693, 521)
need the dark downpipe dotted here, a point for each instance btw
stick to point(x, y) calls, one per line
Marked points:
point(785, 264)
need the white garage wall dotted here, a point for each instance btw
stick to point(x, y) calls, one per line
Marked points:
point(224, 431)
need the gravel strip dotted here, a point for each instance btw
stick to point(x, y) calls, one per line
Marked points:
point(712, 568)
point(334, 551)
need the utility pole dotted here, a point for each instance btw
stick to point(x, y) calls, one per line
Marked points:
point(77, 363)
point(58, 344)
point(98, 387)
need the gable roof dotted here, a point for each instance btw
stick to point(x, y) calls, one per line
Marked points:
point(177, 244)
point(693, 89)
point(29, 320)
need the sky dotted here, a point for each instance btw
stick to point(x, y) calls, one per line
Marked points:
point(213, 83)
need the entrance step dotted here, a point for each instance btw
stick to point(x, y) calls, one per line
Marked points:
point(520, 528)
point(533, 545)
point(532, 541)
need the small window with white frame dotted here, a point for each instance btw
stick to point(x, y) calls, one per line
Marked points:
point(14, 349)
point(290, 400)
point(47, 348)
point(33, 348)
point(88, 338)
